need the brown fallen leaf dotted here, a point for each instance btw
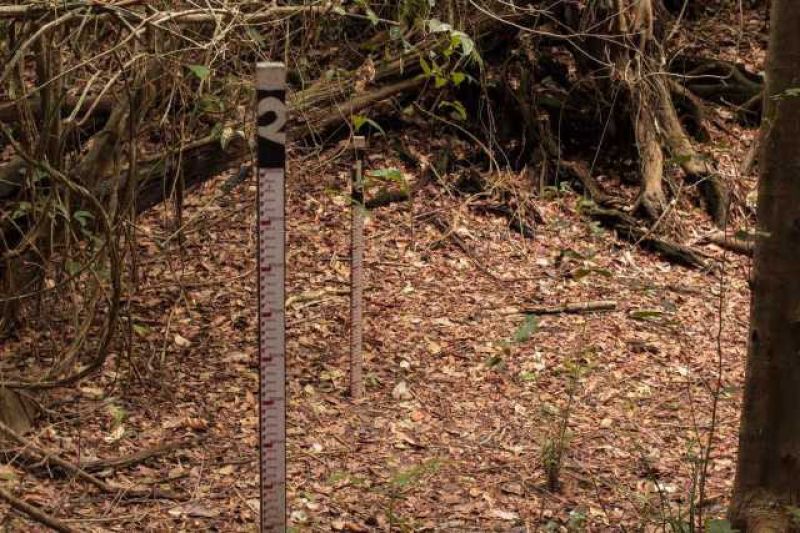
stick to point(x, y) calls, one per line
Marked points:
point(181, 342)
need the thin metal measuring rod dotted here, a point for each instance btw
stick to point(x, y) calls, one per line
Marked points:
point(357, 272)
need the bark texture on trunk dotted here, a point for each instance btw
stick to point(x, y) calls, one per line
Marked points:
point(768, 473)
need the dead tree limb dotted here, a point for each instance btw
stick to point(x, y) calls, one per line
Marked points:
point(47, 456)
point(34, 464)
point(10, 109)
point(122, 10)
point(732, 244)
point(448, 233)
point(35, 513)
point(569, 308)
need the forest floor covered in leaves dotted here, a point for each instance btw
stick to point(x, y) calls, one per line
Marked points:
point(461, 405)
point(472, 409)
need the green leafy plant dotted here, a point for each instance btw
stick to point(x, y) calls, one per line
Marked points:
point(359, 121)
point(577, 522)
point(401, 483)
point(526, 329)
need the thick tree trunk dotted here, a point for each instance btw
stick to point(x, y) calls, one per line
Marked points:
point(768, 473)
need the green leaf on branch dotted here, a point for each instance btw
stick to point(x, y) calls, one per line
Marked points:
point(202, 72)
point(371, 15)
point(22, 209)
point(458, 110)
point(359, 121)
point(82, 217)
point(437, 26)
point(72, 267)
point(425, 66)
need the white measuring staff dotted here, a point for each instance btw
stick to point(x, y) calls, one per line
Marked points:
point(271, 155)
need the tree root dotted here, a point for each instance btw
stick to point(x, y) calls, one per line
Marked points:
point(761, 512)
point(652, 201)
point(629, 229)
point(697, 170)
point(693, 108)
point(578, 170)
point(722, 82)
point(607, 211)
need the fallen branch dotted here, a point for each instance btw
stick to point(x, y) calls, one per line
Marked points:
point(35, 513)
point(188, 16)
point(205, 158)
point(336, 114)
point(10, 110)
point(732, 244)
point(515, 220)
point(134, 459)
point(47, 456)
point(386, 197)
point(448, 233)
point(309, 298)
point(577, 308)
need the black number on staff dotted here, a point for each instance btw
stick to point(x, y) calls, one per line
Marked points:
point(271, 123)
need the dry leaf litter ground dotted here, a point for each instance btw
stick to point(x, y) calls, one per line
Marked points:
point(454, 432)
